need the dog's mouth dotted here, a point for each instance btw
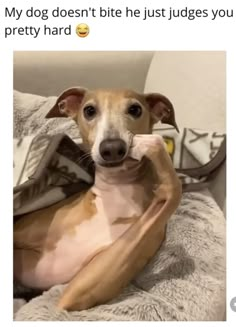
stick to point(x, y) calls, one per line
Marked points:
point(125, 163)
point(111, 164)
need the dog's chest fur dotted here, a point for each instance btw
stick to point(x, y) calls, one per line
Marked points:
point(83, 227)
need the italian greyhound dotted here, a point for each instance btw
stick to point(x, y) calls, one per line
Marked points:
point(98, 241)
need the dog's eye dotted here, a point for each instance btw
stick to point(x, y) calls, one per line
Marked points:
point(90, 112)
point(135, 110)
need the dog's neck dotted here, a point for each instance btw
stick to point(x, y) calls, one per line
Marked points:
point(130, 172)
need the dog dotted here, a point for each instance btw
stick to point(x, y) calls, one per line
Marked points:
point(98, 241)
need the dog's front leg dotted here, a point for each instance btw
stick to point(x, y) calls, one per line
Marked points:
point(109, 271)
point(169, 187)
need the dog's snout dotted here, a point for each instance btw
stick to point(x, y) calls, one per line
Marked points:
point(113, 150)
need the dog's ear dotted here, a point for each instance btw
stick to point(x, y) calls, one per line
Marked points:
point(161, 109)
point(68, 103)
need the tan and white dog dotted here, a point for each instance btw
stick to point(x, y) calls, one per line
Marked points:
point(98, 241)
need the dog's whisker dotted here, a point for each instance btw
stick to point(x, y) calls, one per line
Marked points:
point(86, 154)
point(81, 160)
point(84, 157)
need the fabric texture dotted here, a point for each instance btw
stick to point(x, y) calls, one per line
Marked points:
point(186, 278)
point(51, 169)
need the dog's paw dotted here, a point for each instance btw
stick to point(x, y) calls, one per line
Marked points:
point(146, 145)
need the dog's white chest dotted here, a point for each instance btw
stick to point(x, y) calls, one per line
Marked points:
point(120, 201)
point(116, 210)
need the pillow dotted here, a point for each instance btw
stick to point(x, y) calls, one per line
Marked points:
point(195, 83)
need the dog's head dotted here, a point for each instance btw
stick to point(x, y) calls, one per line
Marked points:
point(108, 119)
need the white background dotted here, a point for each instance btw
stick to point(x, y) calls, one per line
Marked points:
point(116, 34)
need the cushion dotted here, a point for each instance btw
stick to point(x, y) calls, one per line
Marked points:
point(195, 81)
point(55, 70)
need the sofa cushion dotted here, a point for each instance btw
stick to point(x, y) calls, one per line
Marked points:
point(195, 82)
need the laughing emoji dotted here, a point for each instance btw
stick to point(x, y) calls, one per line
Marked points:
point(82, 30)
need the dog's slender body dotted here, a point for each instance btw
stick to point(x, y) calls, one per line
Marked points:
point(68, 234)
point(98, 241)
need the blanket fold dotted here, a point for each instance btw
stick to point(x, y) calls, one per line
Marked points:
point(54, 168)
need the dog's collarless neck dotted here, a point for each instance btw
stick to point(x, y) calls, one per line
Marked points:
point(127, 173)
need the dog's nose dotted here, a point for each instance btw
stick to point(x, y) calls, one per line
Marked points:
point(113, 150)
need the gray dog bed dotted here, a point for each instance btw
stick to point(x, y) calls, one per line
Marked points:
point(184, 281)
